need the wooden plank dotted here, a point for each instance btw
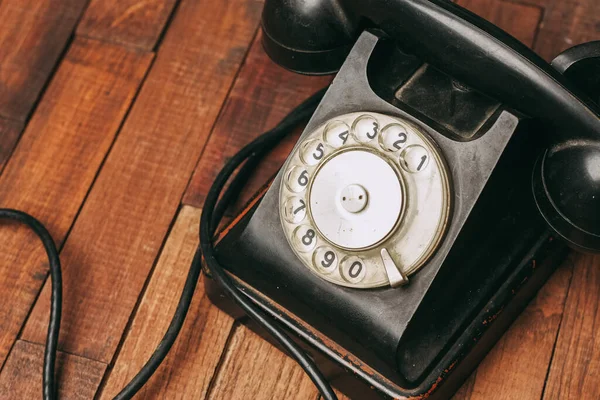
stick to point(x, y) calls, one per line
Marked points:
point(263, 94)
point(78, 377)
point(520, 20)
point(575, 366)
point(567, 23)
point(9, 134)
point(33, 35)
point(189, 367)
point(135, 23)
point(516, 367)
point(56, 161)
point(122, 225)
point(466, 390)
point(252, 368)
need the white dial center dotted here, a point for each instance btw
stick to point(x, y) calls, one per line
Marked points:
point(355, 199)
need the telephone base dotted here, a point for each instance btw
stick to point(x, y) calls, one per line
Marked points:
point(424, 338)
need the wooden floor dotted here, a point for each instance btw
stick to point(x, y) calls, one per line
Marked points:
point(115, 116)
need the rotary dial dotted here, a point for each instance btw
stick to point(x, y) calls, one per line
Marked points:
point(365, 200)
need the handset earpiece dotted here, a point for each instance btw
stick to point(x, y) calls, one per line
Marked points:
point(566, 180)
point(310, 37)
point(566, 187)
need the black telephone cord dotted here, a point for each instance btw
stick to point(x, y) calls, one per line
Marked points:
point(49, 385)
point(212, 214)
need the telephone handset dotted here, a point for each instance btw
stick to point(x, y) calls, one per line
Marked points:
point(314, 37)
point(421, 207)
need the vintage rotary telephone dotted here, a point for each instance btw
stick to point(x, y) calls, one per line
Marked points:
point(430, 195)
point(418, 211)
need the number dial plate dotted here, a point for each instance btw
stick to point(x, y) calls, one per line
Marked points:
point(393, 195)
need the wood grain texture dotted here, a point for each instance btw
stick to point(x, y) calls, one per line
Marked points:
point(56, 161)
point(189, 367)
point(565, 24)
point(516, 367)
point(575, 366)
point(10, 131)
point(122, 225)
point(110, 252)
point(252, 368)
point(520, 20)
point(262, 95)
point(466, 390)
point(22, 378)
point(33, 34)
point(135, 23)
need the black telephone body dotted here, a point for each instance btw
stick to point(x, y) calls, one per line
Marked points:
point(431, 194)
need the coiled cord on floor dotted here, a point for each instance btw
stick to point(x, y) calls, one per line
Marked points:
point(212, 214)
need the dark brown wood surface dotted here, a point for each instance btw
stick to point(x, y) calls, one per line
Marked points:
point(78, 377)
point(115, 117)
point(56, 161)
point(33, 35)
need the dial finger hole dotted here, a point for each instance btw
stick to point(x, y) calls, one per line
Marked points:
point(353, 269)
point(414, 158)
point(336, 133)
point(305, 238)
point(294, 210)
point(325, 259)
point(297, 179)
point(393, 137)
point(365, 128)
point(313, 151)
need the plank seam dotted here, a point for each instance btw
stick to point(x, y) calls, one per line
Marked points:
point(64, 352)
point(27, 118)
point(168, 23)
point(25, 121)
point(538, 28)
point(52, 73)
point(218, 118)
point(541, 19)
point(218, 368)
point(556, 336)
point(133, 46)
point(136, 307)
point(14, 146)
